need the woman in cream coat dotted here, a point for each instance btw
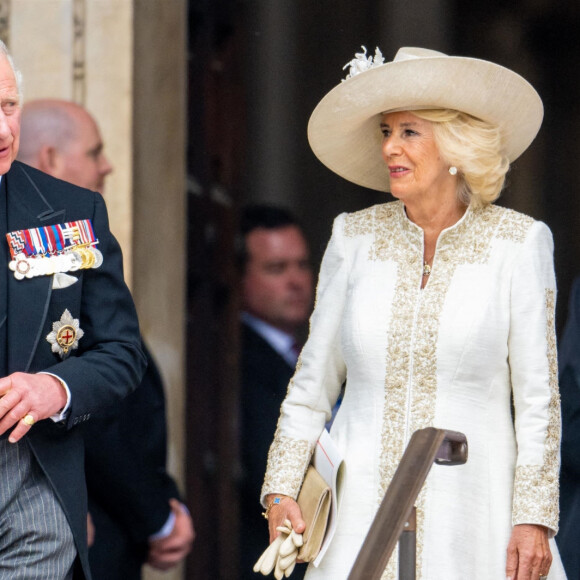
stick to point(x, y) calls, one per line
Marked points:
point(437, 310)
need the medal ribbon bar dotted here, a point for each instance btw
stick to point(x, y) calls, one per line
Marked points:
point(51, 240)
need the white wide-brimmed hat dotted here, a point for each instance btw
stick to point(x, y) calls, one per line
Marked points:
point(344, 128)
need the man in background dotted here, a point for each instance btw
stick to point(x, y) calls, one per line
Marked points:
point(277, 296)
point(133, 502)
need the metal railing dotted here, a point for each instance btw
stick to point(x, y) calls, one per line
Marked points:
point(395, 518)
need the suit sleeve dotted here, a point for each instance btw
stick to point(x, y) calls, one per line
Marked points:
point(320, 373)
point(569, 363)
point(265, 376)
point(125, 460)
point(109, 362)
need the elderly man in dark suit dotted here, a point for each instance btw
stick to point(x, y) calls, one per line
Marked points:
point(69, 346)
point(277, 294)
point(134, 503)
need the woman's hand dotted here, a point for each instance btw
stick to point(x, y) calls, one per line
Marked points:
point(287, 509)
point(528, 553)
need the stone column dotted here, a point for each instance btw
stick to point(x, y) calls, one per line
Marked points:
point(159, 205)
point(271, 80)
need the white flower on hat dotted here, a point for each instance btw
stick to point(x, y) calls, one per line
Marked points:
point(361, 62)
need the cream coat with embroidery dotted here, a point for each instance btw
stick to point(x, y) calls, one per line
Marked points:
point(449, 356)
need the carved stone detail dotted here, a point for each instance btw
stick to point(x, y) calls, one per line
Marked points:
point(5, 6)
point(79, 51)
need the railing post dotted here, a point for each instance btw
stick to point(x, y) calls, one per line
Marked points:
point(408, 548)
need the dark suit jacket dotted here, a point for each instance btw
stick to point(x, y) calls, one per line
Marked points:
point(568, 538)
point(108, 363)
point(129, 487)
point(265, 377)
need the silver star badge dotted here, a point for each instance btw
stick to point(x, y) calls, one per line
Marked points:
point(65, 334)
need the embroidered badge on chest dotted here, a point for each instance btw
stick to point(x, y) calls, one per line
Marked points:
point(65, 334)
point(50, 249)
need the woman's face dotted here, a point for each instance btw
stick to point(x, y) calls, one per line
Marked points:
point(415, 166)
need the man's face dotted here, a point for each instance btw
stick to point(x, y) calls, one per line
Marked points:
point(277, 284)
point(9, 116)
point(83, 162)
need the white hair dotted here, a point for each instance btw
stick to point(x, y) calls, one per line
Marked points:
point(17, 74)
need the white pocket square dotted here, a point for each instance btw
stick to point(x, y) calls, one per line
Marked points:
point(60, 280)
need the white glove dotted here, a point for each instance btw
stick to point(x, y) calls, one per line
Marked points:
point(267, 560)
point(281, 554)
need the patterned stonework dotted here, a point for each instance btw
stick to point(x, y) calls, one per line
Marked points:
point(79, 51)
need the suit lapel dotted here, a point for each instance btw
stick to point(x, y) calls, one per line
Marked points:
point(29, 298)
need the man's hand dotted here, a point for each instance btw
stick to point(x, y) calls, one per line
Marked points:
point(167, 552)
point(90, 531)
point(35, 396)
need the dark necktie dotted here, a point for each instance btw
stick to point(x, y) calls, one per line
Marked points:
point(296, 348)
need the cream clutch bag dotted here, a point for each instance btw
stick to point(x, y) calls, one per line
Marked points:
point(314, 500)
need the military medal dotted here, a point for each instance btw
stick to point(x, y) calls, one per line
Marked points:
point(21, 266)
point(74, 260)
point(98, 257)
point(65, 334)
point(57, 248)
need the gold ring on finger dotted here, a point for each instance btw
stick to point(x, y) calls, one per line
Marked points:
point(28, 420)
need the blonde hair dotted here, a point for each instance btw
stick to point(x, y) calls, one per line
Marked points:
point(474, 147)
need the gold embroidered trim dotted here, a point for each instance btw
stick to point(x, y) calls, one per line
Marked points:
point(288, 460)
point(515, 226)
point(536, 487)
point(359, 223)
point(411, 358)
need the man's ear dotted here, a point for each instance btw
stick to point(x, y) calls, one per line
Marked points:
point(48, 160)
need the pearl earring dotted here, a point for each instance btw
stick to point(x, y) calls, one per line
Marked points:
point(453, 170)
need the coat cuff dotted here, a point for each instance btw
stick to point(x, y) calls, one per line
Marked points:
point(288, 460)
point(536, 497)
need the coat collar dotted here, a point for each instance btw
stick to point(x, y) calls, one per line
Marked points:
point(27, 206)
